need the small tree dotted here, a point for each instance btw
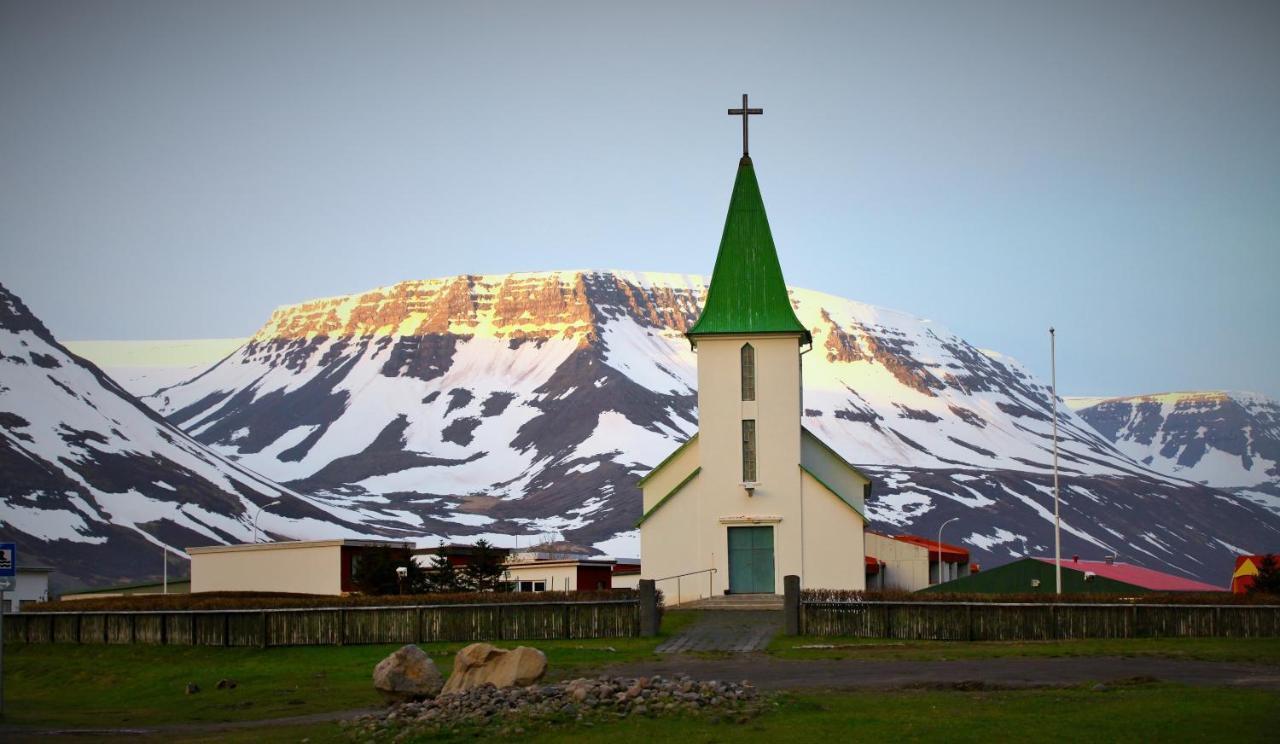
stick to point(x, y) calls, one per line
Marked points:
point(1268, 579)
point(376, 573)
point(484, 572)
point(441, 577)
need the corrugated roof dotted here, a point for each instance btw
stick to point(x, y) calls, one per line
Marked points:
point(1138, 576)
point(949, 552)
point(747, 293)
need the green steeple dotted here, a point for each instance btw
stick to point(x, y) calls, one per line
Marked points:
point(747, 292)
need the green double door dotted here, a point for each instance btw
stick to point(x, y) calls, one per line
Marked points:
point(751, 560)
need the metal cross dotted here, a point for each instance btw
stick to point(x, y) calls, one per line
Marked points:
point(744, 112)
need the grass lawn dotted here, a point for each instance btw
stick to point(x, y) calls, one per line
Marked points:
point(115, 686)
point(1155, 712)
point(1145, 713)
point(1256, 650)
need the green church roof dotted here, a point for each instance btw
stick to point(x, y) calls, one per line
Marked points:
point(747, 292)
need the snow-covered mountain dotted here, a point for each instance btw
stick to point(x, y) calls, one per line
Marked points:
point(526, 403)
point(93, 482)
point(1227, 440)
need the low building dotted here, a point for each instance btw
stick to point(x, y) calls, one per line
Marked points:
point(31, 586)
point(626, 573)
point(560, 575)
point(301, 567)
point(174, 586)
point(911, 563)
point(1036, 576)
point(457, 554)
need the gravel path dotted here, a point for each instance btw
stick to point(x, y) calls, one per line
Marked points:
point(726, 630)
point(770, 673)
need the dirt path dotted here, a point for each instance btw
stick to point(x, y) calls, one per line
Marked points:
point(770, 673)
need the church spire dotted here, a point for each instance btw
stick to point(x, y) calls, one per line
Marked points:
point(747, 292)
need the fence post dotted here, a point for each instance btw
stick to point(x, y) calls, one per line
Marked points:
point(791, 604)
point(264, 629)
point(648, 609)
point(342, 627)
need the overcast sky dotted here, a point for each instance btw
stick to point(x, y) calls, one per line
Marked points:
point(178, 170)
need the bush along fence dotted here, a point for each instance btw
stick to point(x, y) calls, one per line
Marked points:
point(1022, 621)
point(333, 626)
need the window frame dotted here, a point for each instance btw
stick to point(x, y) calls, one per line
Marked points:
point(750, 451)
point(747, 372)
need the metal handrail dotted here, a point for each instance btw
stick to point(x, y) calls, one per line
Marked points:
point(690, 573)
point(711, 577)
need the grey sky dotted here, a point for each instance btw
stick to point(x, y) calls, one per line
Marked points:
point(177, 170)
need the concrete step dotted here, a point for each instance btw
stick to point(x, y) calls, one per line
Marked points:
point(737, 602)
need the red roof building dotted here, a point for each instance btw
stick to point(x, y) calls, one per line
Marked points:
point(1128, 573)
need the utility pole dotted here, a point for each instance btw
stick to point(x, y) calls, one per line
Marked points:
point(1057, 519)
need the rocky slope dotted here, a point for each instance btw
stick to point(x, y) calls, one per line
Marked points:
point(526, 403)
point(93, 483)
point(1227, 440)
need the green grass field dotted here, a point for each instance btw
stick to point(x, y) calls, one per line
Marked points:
point(1139, 714)
point(134, 686)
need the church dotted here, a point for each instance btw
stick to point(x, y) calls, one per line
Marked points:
point(753, 496)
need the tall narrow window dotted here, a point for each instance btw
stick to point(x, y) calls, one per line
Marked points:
point(748, 372)
point(749, 451)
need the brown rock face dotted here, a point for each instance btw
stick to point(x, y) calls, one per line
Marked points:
point(481, 663)
point(407, 674)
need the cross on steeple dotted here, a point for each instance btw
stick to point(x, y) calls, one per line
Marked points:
point(744, 112)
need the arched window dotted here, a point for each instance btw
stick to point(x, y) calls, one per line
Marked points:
point(748, 372)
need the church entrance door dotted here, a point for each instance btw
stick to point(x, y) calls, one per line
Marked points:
point(751, 560)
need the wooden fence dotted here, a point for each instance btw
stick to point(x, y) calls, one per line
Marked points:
point(995, 621)
point(332, 626)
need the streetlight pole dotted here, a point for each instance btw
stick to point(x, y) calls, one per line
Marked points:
point(258, 514)
point(944, 524)
point(1057, 518)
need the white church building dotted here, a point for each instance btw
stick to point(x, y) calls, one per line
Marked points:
point(753, 495)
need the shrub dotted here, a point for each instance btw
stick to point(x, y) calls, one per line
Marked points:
point(890, 595)
point(278, 600)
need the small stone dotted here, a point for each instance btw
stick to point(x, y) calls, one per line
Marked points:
point(1100, 687)
point(226, 684)
point(192, 688)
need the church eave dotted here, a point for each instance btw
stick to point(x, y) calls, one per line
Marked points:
point(837, 455)
point(671, 493)
point(665, 460)
point(834, 492)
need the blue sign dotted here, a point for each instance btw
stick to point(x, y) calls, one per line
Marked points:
point(8, 559)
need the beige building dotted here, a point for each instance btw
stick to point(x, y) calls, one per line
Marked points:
point(301, 567)
point(559, 575)
point(754, 496)
point(911, 563)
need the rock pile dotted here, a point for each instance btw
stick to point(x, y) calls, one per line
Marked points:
point(509, 711)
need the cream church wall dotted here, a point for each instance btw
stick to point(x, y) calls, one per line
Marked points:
point(776, 411)
point(834, 553)
point(816, 535)
point(672, 543)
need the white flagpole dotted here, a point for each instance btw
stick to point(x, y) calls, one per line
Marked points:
point(1057, 520)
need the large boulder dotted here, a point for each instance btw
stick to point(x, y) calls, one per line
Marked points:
point(408, 674)
point(482, 664)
